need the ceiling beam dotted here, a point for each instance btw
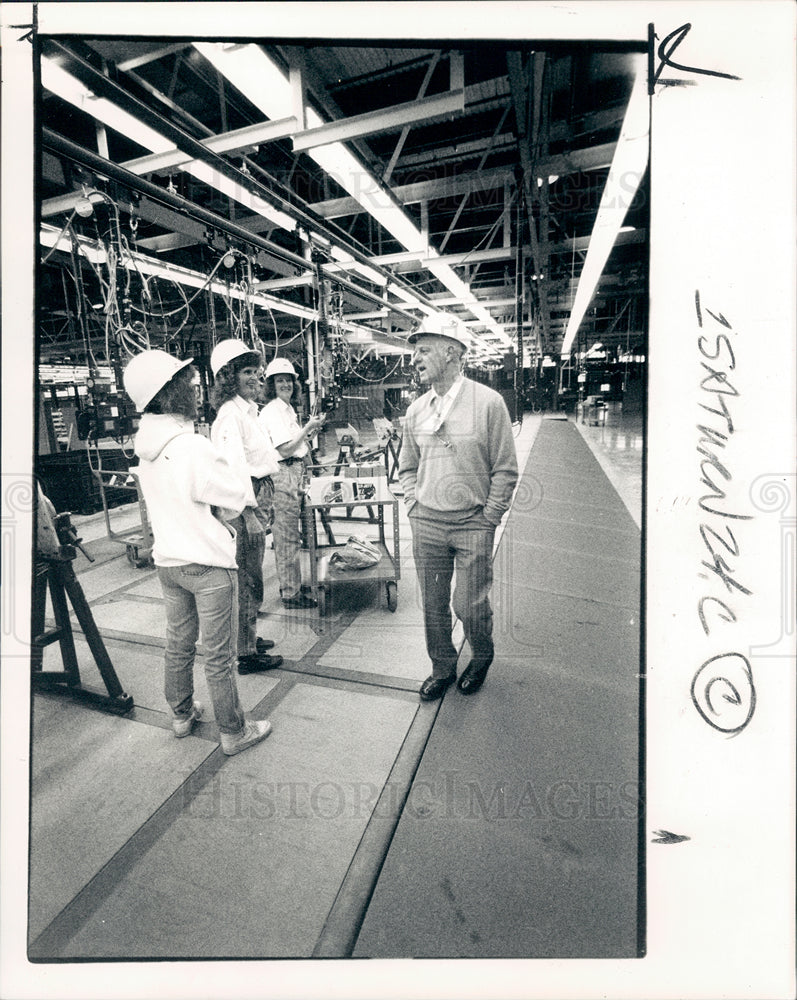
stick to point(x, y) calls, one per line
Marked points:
point(409, 194)
point(428, 109)
point(152, 56)
point(264, 83)
point(454, 153)
point(228, 142)
point(561, 164)
point(406, 130)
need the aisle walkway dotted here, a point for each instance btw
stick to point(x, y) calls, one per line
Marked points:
point(146, 846)
point(520, 836)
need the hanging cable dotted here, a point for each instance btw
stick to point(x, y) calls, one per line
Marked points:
point(81, 301)
point(59, 237)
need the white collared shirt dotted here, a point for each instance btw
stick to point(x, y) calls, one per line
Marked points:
point(244, 442)
point(441, 405)
point(282, 425)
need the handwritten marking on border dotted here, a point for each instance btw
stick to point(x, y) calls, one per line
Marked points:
point(666, 837)
point(665, 50)
point(723, 692)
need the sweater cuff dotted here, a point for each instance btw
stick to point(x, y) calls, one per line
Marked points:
point(493, 515)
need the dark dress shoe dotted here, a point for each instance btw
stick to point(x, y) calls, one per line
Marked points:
point(264, 645)
point(300, 601)
point(473, 676)
point(434, 687)
point(256, 663)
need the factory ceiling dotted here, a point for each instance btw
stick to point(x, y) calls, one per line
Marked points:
point(216, 182)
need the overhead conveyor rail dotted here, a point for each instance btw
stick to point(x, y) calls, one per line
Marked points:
point(302, 214)
point(79, 154)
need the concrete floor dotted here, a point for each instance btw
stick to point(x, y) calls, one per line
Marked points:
point(146, 846)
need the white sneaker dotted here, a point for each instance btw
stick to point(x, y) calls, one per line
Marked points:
point(183, 726)
point(253, 732)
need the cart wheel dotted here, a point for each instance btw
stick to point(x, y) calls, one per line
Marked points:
point(323, 602)
point(392, 596)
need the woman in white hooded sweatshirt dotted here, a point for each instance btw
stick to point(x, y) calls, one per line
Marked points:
point(189, 488)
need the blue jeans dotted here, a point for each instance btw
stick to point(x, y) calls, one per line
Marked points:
point(438, 549)
point(203, 597)
point(250, 548)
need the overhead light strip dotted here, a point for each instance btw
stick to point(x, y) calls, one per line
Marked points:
point(625, 175)
point(71, 90)
point(263, 83)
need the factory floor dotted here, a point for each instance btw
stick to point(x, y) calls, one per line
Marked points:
point(368, 824)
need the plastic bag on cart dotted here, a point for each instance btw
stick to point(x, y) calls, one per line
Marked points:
point(357, 553)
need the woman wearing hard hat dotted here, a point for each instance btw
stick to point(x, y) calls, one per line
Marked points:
point(248, 449)
point(279, 419)
point(185, 480)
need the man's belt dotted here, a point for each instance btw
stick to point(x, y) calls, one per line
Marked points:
point(291, 460)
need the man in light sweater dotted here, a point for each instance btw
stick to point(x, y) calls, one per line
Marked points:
point(458, 470)
point(190, 490)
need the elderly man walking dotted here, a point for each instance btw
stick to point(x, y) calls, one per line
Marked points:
point(458, 470)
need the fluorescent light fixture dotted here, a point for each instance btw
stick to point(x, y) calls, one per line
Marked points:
point(69, 89)
point(410, 299)
point(262, 82)
point(625, 175)
point(350, 264)
point(377, 314)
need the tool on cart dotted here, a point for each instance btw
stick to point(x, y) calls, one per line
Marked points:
point(57, 547)
point(357, 553)
point(327, 494)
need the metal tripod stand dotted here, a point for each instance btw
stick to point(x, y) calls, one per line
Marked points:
point(54, 570)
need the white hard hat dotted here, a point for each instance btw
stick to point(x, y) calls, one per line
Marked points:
point(228, 350)
point(147, 373)
point(441, 325)
point(280, 366)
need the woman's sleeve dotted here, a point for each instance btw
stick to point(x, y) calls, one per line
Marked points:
point(215, 481)
point(225, 434)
